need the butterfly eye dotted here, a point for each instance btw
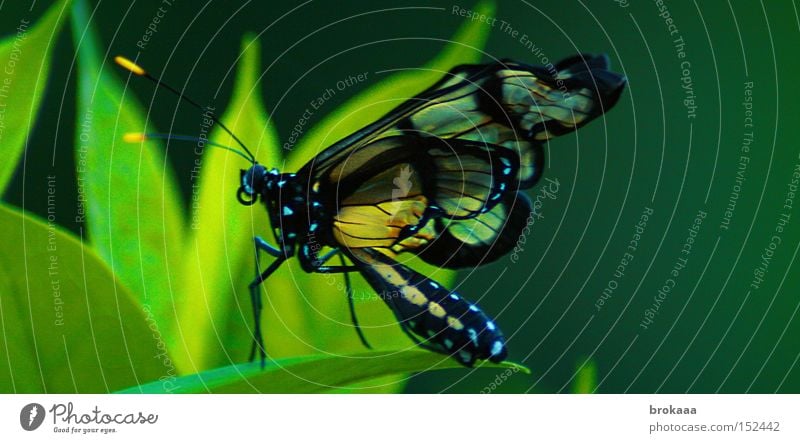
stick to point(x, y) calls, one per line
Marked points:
point(246, 193)
point(246, 198)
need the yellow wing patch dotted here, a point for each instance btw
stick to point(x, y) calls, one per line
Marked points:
point(380, 208)
point(376, 225)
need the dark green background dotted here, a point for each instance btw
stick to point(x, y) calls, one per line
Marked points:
point(712, 333)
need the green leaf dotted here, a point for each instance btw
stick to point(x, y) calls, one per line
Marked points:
point(214, 303)
point(132, 211)
point(585, 378)
point(309, 314)
point(308, 374)
point(25, 60)
point(67, 324)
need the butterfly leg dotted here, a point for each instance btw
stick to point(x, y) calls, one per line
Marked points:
point(353, 306)
point(255, 294)
point(318, 265)
point(262, 245)
point(313, 263)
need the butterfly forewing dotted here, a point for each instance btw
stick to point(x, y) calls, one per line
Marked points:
point(506, 104)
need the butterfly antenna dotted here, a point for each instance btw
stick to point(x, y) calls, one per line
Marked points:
point(138, 70)
point(138, 137)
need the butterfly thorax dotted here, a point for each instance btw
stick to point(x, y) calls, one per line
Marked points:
point(285, 199)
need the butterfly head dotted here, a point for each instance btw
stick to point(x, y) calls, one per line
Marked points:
point(253, 182)
point(280, 192)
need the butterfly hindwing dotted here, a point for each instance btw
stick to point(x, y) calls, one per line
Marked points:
point(431, 314)
point(477, 241)
point(470, 178)
point(390, 190)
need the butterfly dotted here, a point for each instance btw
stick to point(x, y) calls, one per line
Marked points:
point(441, 177)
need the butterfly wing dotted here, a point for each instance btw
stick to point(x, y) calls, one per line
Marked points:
point(440, 176)
point(472, 242)
point(393, 192)
point(432, 315)
point(506, 104)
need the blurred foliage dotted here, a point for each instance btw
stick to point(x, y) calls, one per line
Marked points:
point(157, 298)
point(213, 303)
point(68, 324)
point(133, 211)
point(585, 378)
point(25, 57)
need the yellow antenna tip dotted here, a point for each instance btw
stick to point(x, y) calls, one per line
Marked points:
point(134, 137)
point(129, 65)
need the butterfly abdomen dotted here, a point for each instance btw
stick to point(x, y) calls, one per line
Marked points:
point(432, 315)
